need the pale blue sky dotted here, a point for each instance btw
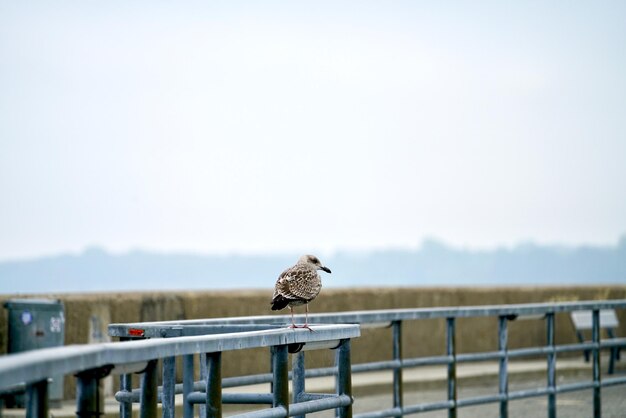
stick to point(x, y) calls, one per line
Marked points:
point(310, 126)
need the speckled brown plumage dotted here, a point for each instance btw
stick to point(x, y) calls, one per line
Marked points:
point(298, 285)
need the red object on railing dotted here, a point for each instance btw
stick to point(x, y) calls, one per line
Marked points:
point(136, 332)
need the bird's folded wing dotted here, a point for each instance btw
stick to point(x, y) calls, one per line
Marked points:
point(295, 283)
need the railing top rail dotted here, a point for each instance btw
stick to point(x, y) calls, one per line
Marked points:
point(385, 316)
point(36, 365)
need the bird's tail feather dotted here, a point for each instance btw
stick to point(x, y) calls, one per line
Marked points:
point(279, 302)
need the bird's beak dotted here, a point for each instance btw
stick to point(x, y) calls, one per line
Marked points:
point(326, 269)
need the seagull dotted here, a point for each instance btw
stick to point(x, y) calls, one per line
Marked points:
point(298, 285)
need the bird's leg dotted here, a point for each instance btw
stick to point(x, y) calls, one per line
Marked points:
point(306, 318)
point(293, 323)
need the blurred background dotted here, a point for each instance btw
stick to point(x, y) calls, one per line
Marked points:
point(202, 145)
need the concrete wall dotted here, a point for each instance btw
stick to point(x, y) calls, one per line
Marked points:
point(87, 316)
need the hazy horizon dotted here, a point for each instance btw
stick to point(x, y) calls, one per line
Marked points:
point(432, 264)
point(619, 242)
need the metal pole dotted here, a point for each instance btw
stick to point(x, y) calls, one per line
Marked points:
point(37, 405)
point(203, 376)
point(126, 385)
point(551, 365)
point(88, 399)
point(87, 395)
point(214, 385)
point(595, 337)
point(188, 377)
point(297, 377)
point(280, 376)
point(169, 382)
point(504, 362)
point(336, 374)
point(451, 351)
point(148, 398)
point(344, 377)
point(397, 356)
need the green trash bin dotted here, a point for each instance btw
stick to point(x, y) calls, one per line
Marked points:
point(35, 324)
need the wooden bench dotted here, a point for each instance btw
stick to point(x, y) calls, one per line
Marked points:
point(608, 321)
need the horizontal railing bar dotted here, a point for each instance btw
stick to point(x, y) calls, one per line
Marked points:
point(564, 348)
point(233, 398)
point(308, 396)
point(199, 396)
point(319, 372)
point(425, 407)
point(479, 400)
point(384, 413)
point(231, 382)
point(529, 352)
point(522, 394)
point(130, 396)
point(612, 381)
point(146, 330)
point(389, 315)
point(488, 355)
point(36, 365)
point(316, 405)
point(612, 342)
point(300, 408)
point(572, 387)
point(426, 361)
point(255, 379)
point(376, 366)
point(529, 393)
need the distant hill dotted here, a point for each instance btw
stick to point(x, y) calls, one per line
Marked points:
point(434, 264)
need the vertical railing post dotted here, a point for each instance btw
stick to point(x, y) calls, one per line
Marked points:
point(169, 381)
point(37, 404)
point(88, 397)
point(280, 376)
point(297, 377)
point(451, 352)
point(214, 385)
point(126, 385)
point(203, 376)
point(504, 363)
point(397, 371)
point(344, 377)
point(148, 399)
point(188, 378)
point(551, 365)
point(595, 337)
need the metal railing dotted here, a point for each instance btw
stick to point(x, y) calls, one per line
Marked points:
point(396, 317)
point(90, 363)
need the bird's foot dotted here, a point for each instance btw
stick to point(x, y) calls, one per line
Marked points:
point(305, 326)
